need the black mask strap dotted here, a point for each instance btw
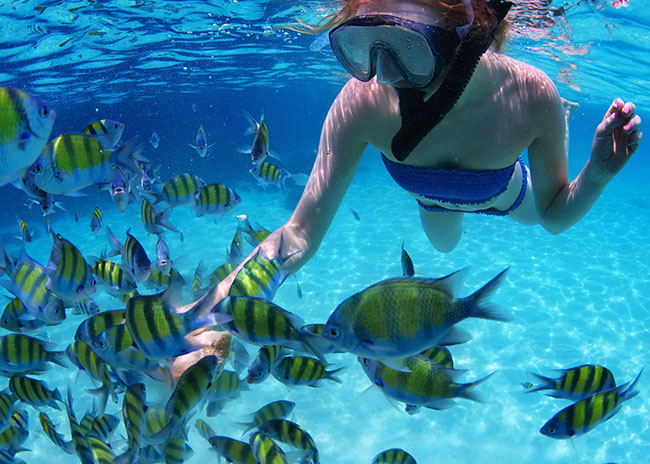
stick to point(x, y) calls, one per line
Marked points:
point(420, 117)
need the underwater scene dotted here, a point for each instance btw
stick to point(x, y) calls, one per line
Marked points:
point(185, 133)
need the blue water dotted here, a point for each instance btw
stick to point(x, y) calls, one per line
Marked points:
point(580, 297)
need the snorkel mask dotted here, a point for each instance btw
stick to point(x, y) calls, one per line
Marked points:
point(393, 48)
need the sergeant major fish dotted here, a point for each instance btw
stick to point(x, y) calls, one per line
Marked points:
point(260, 148)
point(25, 126)
point(215, 199)
point(581, 417)
point(96, 221)
point(577, 383)
point(201, 146)
point(153, 220)
point(400, 317)
point(69, 276)
point(73, 161)
point(134, 257)
point(106, 131)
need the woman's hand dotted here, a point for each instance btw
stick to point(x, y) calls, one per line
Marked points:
point(617, 138)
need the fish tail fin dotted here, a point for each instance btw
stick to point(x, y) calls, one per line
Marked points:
point(629, 392)
point(546, 383)
point(113, 242)
point(102, 393)
point(163, 219)
point(332, 374)
point(254, 124)
point(479, 304)
point(58, 357)
point(466, 390)
point(129, 155)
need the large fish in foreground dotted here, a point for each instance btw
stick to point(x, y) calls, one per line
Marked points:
point(74, 161)
point(401, 317)
point(25, 126)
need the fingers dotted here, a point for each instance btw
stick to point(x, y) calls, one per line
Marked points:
point(619, 114)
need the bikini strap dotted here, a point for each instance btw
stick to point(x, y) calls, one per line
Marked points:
point(420, 117)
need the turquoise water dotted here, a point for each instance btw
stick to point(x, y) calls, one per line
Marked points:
point(580, 297)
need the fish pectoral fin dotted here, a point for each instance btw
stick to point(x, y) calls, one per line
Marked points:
point(455, 336)
point(440, 403)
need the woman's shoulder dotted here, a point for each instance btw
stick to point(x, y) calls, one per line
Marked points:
point(530, 78)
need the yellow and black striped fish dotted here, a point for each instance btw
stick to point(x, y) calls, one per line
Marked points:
point(439, 355)
point(69, 276)
point(134, 258)
point(101, 451)
point(53, 435)
point(268, 173)
point(89, 329)
point(25, 126)
point(226, 386)
point(577, 383)
point(586, 414)
point(134, 410)
point(266, 450)
point(274, 410)
point(233, 450)
point(15, 318)
point(79, 439)
point(81, 355)
point(177, 451)
point(153, 220)
point(215, 199)
point(24, 354)
point(394, 456)
point(106, 131)
point(180, 190)
point(110, 274)
point(204, 429)
point(303, 370)
point(34, 392)
point(254, 235)
point(292, 434)
point(96, 221)
point(159, 280)
point(104, 425)
point(25, 235)
point(221, 273)
point(265, 360)
point(7, 401)
point(197, 281)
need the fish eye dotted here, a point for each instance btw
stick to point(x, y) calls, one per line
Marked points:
point(44, 111)
point(378, 382)
point(333, 332)
point(551, 430)
point(57, 311)
point(38, 168)
point(571, 433)
point(364, 361)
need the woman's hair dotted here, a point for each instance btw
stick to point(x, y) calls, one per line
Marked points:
point(453, 13)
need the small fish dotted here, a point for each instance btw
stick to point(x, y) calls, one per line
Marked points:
point(146, 183)
point(12, 439)
point(274, 410)
point(192, 387)
point(424, 384)
point(96, 221)
point(74, 161)
point(25, 126)
point(7, 402)
point(111, 275)
point(103, 426)
point(87, 308)
point(261, 322)
point(267, 173)
point(154, 139)
point(134, 258)
point(355, 215)
point(162, 256)
point(215, 199)
point(180, 190)
point(153, 220)
point(577, 383)
point(34, 392)
point(393, 456)
point(527, 385)
point(68, 274)
point(134, 410)
point(194, 107)
point(265, 360)
point(16, 318)
point(27, 282)
point(106, 131)
point(53, 435)
point(25, 236)
point(260, 148)
point(292, 434)
point(79, 436)
point(201, 146)
point(119, 189)
point(226, 386)
point(27, 355)
point(407, 264)
point(303, 370)
point(403, 316)
point(232, 450)
point(76, 215)
point(266, 450)
point(90, 328)
point(439, 355)
point(204, 429)
point(158, 331)
point(298, 289)
point(581, 417)
point(82, 356)
point(159, 280)
point(236, 252)
point(37, 196)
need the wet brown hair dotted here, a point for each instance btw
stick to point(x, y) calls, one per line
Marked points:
point(452, 12)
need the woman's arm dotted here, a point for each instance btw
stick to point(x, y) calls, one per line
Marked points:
point(342, 143)
point(560, 203)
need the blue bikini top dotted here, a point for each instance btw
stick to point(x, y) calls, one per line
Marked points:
point(451, 185)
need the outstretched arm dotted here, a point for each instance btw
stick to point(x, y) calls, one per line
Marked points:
point(560, 203)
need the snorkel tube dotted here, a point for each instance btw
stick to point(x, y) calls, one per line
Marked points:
point(420, 117)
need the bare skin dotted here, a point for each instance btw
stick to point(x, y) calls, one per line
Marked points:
point(507, 108)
